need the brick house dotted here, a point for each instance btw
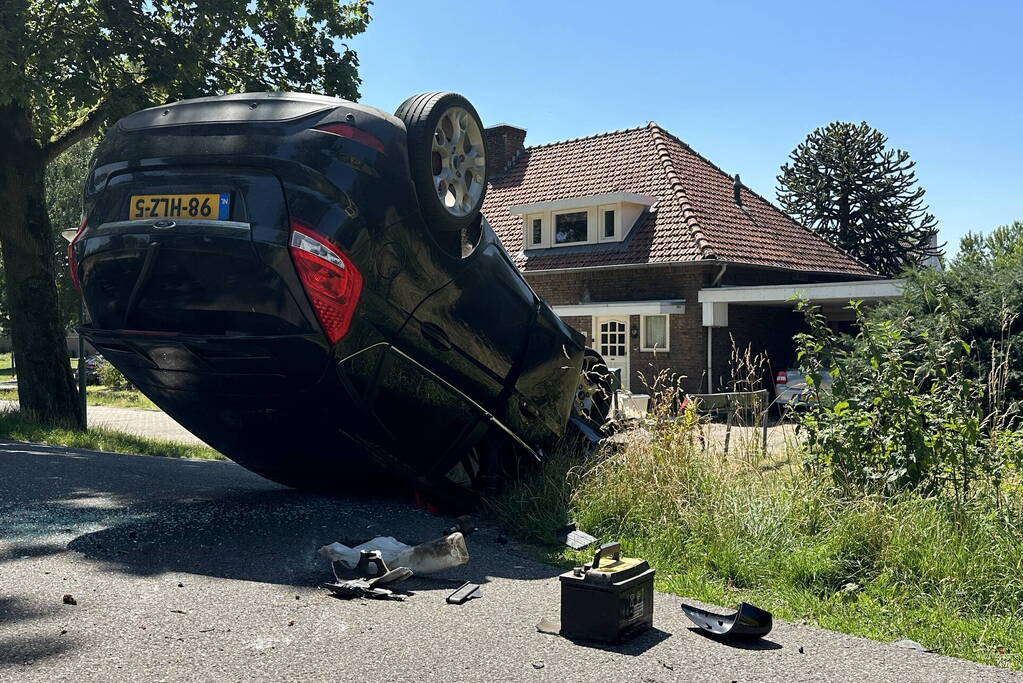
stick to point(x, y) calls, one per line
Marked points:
point(657, 256)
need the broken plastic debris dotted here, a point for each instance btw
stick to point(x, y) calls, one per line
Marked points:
point(426, 558)
point(908, 644)
point(549, 625)
point(395, 575)
point(748, 621)
point(466, 524)
point(371, 565)
point(360, 588)
point(369, 587)
point(387, 546)
point(467, 591)
point(573, 538)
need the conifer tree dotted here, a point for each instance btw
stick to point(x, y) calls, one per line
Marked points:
point(848, 186)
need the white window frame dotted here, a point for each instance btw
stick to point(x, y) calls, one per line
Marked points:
point(617, 235)
point(629, 207)
point(667, 333)
point(589, 227)
point(527, 229)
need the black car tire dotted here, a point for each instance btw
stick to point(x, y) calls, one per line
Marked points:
point(421, 115)
point(595, 372)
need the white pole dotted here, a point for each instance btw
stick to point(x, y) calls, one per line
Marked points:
point(710, 365)
point(69, 235)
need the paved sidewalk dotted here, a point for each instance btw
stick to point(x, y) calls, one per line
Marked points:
point(156, 424)
point(187, 570)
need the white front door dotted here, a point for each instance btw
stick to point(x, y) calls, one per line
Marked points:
point(612, 336)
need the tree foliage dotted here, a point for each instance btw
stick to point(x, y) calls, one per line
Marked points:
point(846, 184)
point(69, 67)
point(76, 64)
point(65, 177)
point(929, 392)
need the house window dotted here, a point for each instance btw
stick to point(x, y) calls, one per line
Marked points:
point(537, 231)
point(654, 330)
point(570, 227)
point(609, 223)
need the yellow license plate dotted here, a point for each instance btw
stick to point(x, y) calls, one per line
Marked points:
point(215, 207)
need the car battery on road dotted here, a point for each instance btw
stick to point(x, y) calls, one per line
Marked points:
point(608, 600)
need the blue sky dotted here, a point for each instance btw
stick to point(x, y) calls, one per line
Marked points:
point(741, 82)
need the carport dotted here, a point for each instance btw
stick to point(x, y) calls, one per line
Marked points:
point(832, 297)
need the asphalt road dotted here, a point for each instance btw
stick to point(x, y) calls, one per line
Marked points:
point(197, 570)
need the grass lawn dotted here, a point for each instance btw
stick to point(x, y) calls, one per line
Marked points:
point(767, 531)
point(101, 396)
point(97, 395)
point(6, 361)
point(14, 426)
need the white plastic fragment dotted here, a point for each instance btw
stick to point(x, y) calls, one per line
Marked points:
point(388, 546)
point(426, 558)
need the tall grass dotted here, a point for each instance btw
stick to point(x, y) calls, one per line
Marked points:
point(723, 529)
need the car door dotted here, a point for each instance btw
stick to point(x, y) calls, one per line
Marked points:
point(474, 331)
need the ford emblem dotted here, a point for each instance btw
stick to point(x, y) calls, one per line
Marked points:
point(163, 225)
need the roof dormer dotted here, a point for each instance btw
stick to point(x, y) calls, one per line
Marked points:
point(593, 219)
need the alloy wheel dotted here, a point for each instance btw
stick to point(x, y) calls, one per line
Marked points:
point(459, 161)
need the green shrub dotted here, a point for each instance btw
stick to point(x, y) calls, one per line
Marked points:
point(903, 410)
point(111, 377)
point(927, 394)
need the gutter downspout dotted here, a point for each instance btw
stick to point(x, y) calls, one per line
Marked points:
point(721, 274)
point(710, 335)
point(710, 369)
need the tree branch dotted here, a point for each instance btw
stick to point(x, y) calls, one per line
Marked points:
point(89, 123)
point(84, 127)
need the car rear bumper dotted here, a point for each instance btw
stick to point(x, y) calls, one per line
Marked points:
point(243, 367)
point(269, 403)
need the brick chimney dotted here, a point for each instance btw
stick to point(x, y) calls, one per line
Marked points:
point(504, 142)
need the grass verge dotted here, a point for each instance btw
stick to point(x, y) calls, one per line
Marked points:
point(6, 365)
point(17, 427)
point(102, 396)
point(726, 530)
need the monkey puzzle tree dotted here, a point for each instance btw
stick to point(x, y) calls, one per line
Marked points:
point(69, 67)
point(846, 184)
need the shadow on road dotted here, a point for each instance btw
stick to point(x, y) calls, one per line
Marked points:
point(633, 647)
point(28, 648)
point(739, 644)
point(268, 536)
point(154, 515)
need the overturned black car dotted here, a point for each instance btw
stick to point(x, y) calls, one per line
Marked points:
point(307, 284)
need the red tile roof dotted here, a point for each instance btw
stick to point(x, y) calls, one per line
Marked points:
point(695, 218)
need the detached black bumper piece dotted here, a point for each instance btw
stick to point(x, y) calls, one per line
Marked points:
point(747, 623)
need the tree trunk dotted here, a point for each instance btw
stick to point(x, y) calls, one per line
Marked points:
point(46, 388)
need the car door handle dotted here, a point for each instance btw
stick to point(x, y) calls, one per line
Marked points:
point(436, 336)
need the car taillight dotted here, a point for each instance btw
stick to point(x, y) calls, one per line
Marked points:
point(329, 278)
point(72, 262)
point(352, 133)
point(782, 378)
